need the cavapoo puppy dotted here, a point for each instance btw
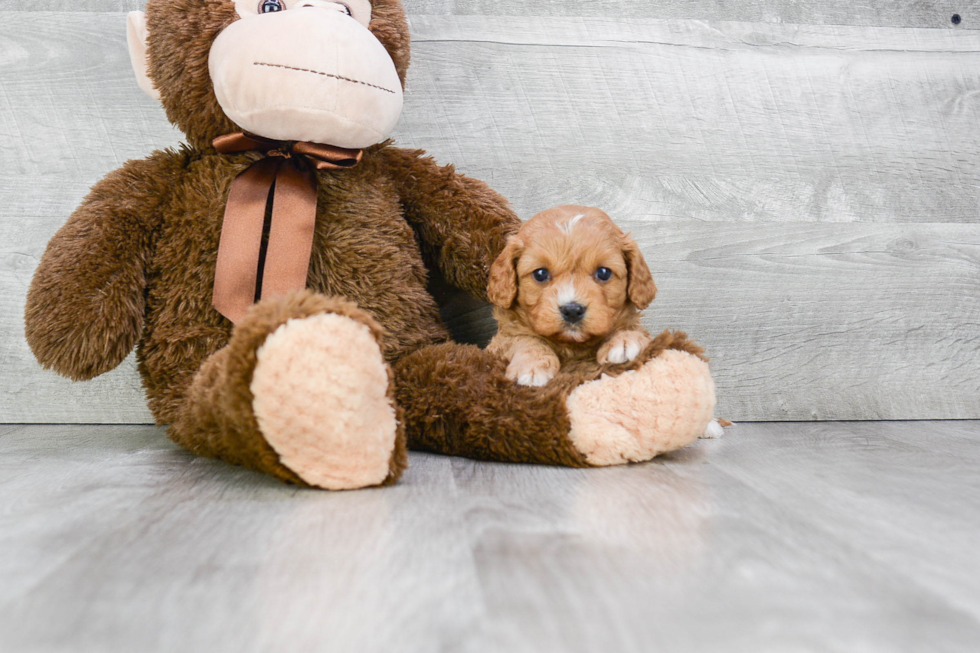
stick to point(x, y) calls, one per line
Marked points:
point(568, 286)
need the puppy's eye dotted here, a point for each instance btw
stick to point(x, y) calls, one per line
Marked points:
point(344, 8)
point(603, 274)
point(541, 275)
point(269, 6)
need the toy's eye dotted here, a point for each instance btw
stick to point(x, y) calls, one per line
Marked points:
point(269, 6)
point(541, 275)
point(336, 6)
point(603, 274)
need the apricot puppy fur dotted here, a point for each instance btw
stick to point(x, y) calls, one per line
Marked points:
point(568, 286)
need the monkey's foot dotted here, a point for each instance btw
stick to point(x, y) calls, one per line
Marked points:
point(662, 406)
point(320, 396)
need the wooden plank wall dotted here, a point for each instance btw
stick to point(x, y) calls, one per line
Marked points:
point(802, 177)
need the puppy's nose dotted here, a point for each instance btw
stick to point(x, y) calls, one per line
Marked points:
point(572, 313)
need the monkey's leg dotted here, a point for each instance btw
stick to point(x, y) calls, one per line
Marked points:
point(457, 400)
point(301, 392)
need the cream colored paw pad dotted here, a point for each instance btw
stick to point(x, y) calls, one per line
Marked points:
point(663, 406)
point(320, 397)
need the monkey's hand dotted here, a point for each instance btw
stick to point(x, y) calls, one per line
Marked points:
point(85, 305)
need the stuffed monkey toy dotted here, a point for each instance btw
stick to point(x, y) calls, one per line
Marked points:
point(272, 272)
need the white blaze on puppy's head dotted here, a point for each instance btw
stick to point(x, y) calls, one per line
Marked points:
point(569, 224)
point(565, 293)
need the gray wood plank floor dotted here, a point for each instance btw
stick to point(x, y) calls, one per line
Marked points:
point(779, 537)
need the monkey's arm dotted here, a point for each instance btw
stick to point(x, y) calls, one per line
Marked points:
point(85, 305)
point(463, 223)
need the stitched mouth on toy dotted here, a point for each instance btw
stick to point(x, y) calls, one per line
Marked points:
point(317, 72)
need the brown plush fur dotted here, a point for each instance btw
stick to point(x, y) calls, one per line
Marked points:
point(458, 401)
point(134, 265)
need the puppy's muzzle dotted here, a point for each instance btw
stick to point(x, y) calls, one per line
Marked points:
point(572, 313)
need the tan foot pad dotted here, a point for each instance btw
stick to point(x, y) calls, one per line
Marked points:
point(663, 406)
point(320, 397)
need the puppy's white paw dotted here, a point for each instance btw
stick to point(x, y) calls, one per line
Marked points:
point(713, 430)
point(623, 347)
point(623, 352)
point(536, 378)
point(533, 368)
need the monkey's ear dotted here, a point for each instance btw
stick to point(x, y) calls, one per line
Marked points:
point(640, 286)
point(502, 289)
point(136, 39)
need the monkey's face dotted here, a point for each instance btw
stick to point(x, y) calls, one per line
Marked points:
point(297, 70)
point(306, 70)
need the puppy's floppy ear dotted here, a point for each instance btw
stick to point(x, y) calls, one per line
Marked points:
point(640, 287)
point(502, 289)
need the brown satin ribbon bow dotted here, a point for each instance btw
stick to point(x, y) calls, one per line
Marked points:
point(287, 176)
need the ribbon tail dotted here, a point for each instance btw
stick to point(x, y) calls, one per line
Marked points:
point(327, 157)
point(287, 258)
point(236, 270)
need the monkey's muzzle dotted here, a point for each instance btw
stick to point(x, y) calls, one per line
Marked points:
point(311, 75)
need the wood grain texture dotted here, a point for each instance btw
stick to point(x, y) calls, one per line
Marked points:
point(9, 428)
point(682, 120)
point(86, 6)
point(892, 13)
point(807, 195)
point(716, 556)
point(79, 575)
point(879, 13)
point(881, 486)
point(883, 320)
point(777, 537)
